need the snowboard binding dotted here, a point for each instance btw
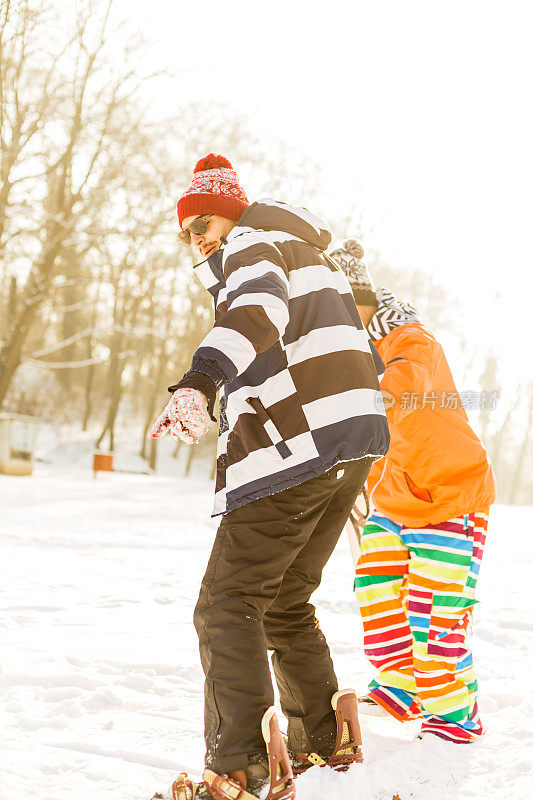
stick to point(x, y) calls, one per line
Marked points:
point(279, 766)
point(348, 744)
point(223, 787)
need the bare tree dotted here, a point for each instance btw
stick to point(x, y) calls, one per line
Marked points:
point(80, 114)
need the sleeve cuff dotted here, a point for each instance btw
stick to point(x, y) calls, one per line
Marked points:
point(209, 367)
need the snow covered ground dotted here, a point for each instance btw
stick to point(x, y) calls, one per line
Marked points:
point(101, 685)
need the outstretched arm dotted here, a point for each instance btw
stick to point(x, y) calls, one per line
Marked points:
point(250, 318)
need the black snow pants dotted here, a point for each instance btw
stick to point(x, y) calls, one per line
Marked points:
point(266, 561)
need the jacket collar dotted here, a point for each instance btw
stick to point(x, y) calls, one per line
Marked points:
point(209, 272)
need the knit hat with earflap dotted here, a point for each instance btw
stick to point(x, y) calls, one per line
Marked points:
point(214, 189)
point(350, 257)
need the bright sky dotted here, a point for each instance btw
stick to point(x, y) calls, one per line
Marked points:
point(425, 105)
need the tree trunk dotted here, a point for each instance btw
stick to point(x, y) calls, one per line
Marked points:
point(114, 383)
point(153, 454)
point(190, 458)
point(151, 410)
point(37, 289)
point(88, 388)
point(109, 426)
point(10, 356)
point(12, 303)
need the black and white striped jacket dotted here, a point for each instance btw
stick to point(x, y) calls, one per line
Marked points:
point(298, 380)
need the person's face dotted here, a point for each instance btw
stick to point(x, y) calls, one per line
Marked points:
point(209, 242)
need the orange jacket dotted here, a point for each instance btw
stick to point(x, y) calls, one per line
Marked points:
point(436, 467)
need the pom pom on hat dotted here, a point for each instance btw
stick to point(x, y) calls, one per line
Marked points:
point(355, 248)
point(212, 161)
point(214, 189)
point(350, 257)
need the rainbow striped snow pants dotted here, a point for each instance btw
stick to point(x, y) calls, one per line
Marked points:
point(416, 592)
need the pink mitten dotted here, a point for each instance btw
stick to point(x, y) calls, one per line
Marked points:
point(185, 416)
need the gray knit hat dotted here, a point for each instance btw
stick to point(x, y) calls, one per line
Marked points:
point(350, 257)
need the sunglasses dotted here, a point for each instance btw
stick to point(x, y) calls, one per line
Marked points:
point(198, 226)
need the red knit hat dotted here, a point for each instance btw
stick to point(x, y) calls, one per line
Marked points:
point(214, 189)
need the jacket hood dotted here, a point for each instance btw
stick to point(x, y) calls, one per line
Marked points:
point(266, 215)
point(391, 314)
point(272, 215)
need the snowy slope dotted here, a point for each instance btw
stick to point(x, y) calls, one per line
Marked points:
point(101, 685)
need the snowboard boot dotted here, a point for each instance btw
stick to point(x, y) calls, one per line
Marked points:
point(347, 749)
point(244, 784)
point(238, 785)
